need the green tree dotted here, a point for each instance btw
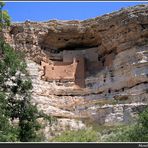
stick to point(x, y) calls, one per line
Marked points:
point(15, 94)
point(137, 132)
point(85, 135)
point(5, 19)
point(7, 131)
point(15, 98)
point(140, 131)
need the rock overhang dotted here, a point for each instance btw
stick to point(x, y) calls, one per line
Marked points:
point(111, 35)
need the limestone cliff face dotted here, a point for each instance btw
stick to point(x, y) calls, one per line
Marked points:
point(115, 48)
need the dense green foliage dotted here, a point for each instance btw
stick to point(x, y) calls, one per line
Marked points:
point(4, 17)
point(117, 134)
point(140, 130)
point(131, 133)
point(88, 135)
point(14, 93)
point(11, 62)
point(7, 131)
point(15, 98)
point(18, 118)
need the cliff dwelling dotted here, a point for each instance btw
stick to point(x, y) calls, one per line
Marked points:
point(73, 65)
point(72, 70)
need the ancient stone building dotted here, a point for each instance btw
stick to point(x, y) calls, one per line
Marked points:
point(65, 71)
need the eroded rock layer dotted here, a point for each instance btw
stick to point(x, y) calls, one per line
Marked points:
point(115, 49)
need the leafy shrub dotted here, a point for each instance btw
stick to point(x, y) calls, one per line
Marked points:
point(119, 134)
point(133, 133)
point(77, 136)
point(11, 59)
point(12, 108)
point(140, 131)
point(7, 131)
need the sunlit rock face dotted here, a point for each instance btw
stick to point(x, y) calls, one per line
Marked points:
point(115, 49)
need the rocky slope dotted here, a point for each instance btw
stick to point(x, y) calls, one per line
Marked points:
point(116, 49)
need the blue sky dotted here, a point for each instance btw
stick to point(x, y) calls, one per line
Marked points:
point(44, 11)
